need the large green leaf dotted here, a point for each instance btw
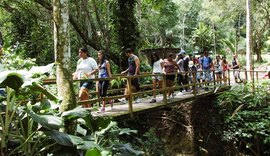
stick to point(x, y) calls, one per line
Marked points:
point(71, 140)
point(93, 152)
point(11, 79)
point(78, 112)
point(87, 145)
point(42, 69)
point(59, 137)
point(15, 79)
point(47, 121)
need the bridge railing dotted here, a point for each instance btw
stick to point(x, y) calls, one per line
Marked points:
point(212, 84)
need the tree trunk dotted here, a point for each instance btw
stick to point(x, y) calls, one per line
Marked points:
point(249, 37)
point(63, 59)
point(257, 49)
point(249, 59)
point(259, 55)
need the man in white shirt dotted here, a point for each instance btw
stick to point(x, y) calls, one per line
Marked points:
point(86, 67)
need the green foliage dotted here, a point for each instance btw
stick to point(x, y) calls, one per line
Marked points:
point(158, 24)
point(12, 61)
point(202, 36)
point(125, 23)
point(39, 123)
point(246, 117)
point(152, 144)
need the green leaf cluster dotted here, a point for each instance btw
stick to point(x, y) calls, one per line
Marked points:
point(246, 117)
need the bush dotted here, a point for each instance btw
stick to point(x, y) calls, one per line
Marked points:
point(246, 118)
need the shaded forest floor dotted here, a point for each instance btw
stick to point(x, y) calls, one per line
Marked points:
point(192, 128)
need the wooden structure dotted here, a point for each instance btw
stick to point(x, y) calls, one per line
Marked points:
point(130, 108)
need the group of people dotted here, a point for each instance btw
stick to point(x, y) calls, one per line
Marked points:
point(87, 67)
point(190, 69)
point(183, 63)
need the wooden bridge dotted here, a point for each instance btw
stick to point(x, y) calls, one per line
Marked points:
point(131, 108)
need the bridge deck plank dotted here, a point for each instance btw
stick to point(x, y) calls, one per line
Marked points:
point(121, 110)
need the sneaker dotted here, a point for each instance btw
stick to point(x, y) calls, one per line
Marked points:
point(153, 101)
point(111, 103)
point(138, 100)
point(123, 100)
point(102, 110)
point(180, 93)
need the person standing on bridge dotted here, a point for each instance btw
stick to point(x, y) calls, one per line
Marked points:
point(236, 67)
point(132, 70)
point(169, 68)
point(157, 65)
point(206, 64)
point(86, 67)
point(104, 71)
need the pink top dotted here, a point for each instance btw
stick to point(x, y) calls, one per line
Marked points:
point(169, 66)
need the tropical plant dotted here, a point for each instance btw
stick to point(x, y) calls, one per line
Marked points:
point(30, 126)
point(202, 36)
point(246, 121)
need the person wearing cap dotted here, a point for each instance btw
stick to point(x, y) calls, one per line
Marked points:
point(86, 67)
point(132, 70)
point(183, 64)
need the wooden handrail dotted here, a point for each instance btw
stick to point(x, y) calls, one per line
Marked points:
point(164, 89)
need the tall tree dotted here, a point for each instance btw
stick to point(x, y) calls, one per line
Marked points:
point(62, 58)
point(249, 36)
point(261, 22)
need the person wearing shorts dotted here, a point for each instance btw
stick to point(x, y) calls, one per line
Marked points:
point(218, 69)
point(157, 65)
point(169, 67)
point(236, 67)
point(86, 67)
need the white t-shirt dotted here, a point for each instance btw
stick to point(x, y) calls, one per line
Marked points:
point(157, 66)
point(85, 66)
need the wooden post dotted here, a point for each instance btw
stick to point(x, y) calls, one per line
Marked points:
point(214, 78)
point(246, 75)
point(257, 76)
point(164, 86)
point(129, 87)
point(229, 79)
point(194, 83)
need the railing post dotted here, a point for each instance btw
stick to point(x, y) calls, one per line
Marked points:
point(246, 75)
point(214, 78)
point(194, 83)
point(229, 77)
point(164, 89)
point(257, 76)
point(129, 87)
